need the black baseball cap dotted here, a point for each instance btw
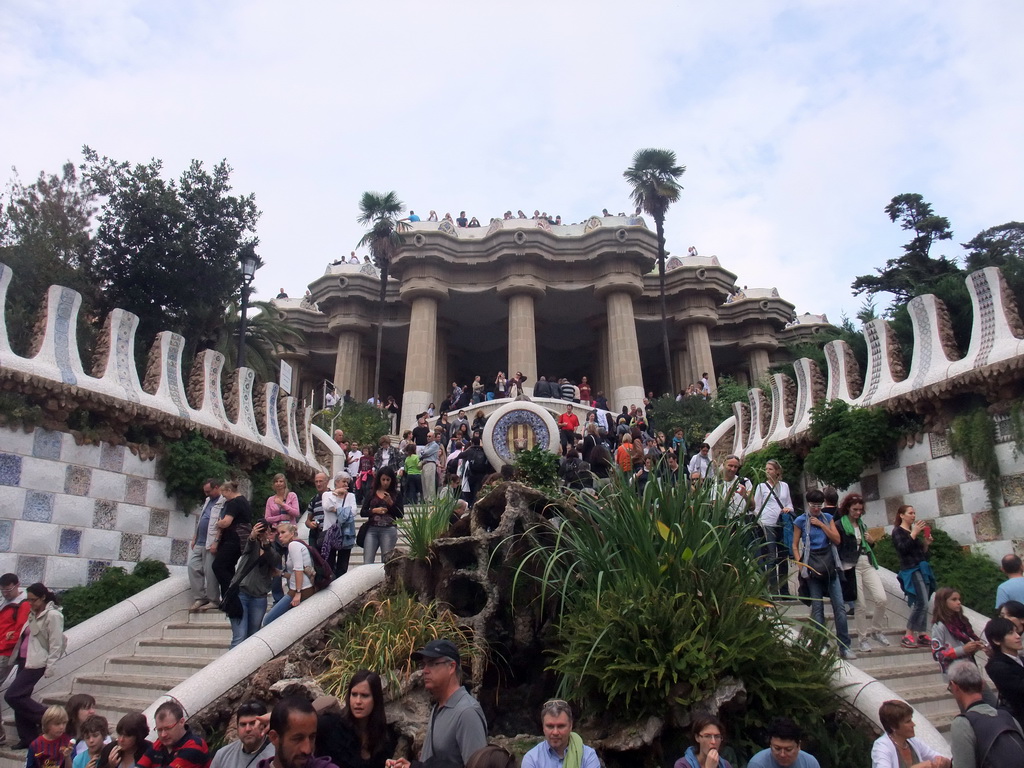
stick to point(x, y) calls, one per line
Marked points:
point(442, 648)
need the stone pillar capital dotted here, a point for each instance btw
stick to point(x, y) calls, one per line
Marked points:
point(430, 287)
point(626, 283)
point(347, 324)
point(521, 285)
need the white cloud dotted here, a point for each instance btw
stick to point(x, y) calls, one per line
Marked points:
point(797, 121)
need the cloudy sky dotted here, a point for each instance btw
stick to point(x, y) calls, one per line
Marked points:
point(797, 121)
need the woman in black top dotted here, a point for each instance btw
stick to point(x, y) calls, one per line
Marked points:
point(911, 539)
point(235, 523)
point(357, 737)
point(382, 507)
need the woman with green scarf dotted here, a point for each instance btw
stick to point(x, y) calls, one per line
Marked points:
point(859, 563)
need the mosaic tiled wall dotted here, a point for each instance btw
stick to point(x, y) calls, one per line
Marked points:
point(68, 511)
point(942, 489)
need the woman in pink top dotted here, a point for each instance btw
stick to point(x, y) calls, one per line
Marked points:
point(283, 506)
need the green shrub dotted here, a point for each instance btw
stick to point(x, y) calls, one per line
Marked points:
point(115, 585)
point(538, 468)
point(974, 575)
point(16, 410)
point(658, 599)
point(186, 463)
point(848, 439)
point(362, 422)
point(792, 464)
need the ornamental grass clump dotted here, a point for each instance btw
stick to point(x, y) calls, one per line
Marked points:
point(423, 524)
point(657, 599)
point(383, 636)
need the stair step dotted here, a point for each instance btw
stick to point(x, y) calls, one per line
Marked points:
point(183, 666)
point(200, 648)
point(151, 686)
point(197, 631)
point(898, 656)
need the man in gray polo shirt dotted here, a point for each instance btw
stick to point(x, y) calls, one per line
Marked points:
point(457, 727)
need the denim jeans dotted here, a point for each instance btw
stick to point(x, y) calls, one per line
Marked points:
point(774, 557)
point(281, 607)
point(818, 589)
point(253, 610)
point(918, 621)
point(379, 536)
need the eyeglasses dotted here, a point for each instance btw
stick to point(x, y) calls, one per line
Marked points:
point(710, 736)
point(815, 506)
point(435, 663)
point(555, 703)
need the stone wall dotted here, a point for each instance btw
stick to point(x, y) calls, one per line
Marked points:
point(942, 489)
point(68, 511)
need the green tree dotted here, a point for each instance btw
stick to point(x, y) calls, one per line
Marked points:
point(915, 271)
point(157, 240)
point(382, 213)
point(654, 178)
point(45, 239)
point(1003, 247)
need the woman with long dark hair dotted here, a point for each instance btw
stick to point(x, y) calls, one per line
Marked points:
point(911, 539)
point(382, 507)
point(79, 707)
point(859, 564)
point(358, 737)
point(953, 637)
point(40, 645)
point(235, 524)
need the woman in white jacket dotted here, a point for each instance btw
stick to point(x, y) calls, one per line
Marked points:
point(897, 747)
point(40, 645)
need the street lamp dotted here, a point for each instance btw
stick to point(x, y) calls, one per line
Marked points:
point(249, 261)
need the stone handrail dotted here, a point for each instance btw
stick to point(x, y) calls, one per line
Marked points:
point(263, 419)
point(209, 684)
point(997, 344)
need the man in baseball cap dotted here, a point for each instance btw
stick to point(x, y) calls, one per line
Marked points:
point(457, 727)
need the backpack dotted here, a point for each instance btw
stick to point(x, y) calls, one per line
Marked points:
point(998, 740)
point(322, 574)
point(478, 463)
point(452, 467)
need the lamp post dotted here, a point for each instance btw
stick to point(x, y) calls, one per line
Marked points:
point(249, 261)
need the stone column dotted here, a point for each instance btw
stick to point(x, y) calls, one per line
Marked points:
point(347, 364)
point(420, 358)
point(442, 384)
point(759, 362)
point(698, 347)
point(680, 369)
point(602, 380)
point(522, 338)
point(626, 383)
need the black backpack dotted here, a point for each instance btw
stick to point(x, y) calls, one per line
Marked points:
point(452, 467)
point(998, 740)
point(323, 574)
point(478, 463)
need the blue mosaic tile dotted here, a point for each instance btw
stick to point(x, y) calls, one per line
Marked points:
point(38, 507)
point(112, 457)
point(96, 569)
point(135, 490)
point(6, 531)
point(131, 547)
point(70, 541)
point(179, 551)
point(31, 568)
point(46, 444)
point(159, 519)
point(104, 515)
point(77, 480)
point(10, 469)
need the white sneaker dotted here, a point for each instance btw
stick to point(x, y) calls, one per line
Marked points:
point(865, 646)
point(881, 639)
point(847, 654)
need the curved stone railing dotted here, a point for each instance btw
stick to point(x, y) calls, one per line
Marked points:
point(997, 342)
point(206, 686)
point(262, 419)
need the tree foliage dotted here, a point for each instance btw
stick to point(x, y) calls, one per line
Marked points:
point(168, 250)
point(382, 213)
point(266, 335)
point(654, 186)
point(848, 439)
point(45, 239)
point(186, 463)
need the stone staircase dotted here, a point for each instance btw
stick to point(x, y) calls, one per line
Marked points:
point(130, 683)
point(911, 673)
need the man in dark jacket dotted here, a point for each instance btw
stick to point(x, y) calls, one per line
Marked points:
point(293, 733)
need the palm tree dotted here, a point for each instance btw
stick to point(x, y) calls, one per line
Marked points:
point(382, 214)
point(654, 177)
point(266, 336)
